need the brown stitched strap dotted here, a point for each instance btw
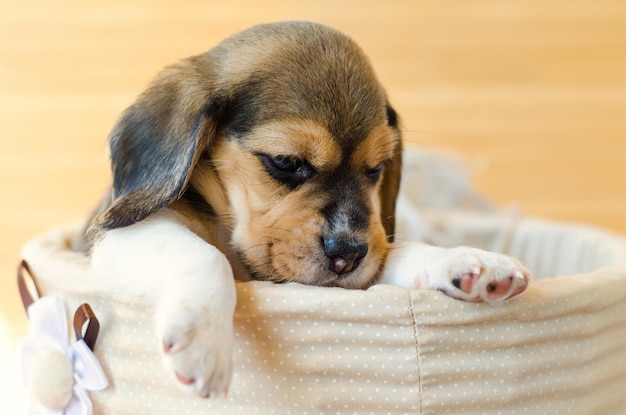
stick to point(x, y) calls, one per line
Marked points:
point(84, 314)
point(27, 298)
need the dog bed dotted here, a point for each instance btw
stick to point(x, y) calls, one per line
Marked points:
point(558, 348)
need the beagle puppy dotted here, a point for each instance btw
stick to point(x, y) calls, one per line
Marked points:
point(274, 156)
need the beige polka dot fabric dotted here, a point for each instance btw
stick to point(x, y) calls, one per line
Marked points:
point(559, 348)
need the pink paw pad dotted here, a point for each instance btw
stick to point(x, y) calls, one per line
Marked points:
point(172, 346)
point(184, 380)
point(498, 290)
point(465, 282)
point(521, 285)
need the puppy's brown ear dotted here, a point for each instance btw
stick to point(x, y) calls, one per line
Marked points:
point(156, 143)
point(390, 185)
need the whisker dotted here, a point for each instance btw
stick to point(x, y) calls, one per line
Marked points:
point(275, 274)
point(267, 260)
point(252, 247)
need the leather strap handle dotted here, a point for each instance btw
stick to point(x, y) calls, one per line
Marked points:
point(23, 272)
point(86, 318)
point(86, 324)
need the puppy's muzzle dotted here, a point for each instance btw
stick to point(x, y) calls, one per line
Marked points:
point(345, 254)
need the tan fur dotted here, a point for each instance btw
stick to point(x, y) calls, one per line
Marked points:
point(278, 230)
point(292, 89)
point(378, 147)
point(303, 138)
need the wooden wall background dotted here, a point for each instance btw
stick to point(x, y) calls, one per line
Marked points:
point(534, 92)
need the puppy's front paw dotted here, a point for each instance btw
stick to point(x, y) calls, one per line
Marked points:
point(197, 348)
point(465, 273)
point(474, 275)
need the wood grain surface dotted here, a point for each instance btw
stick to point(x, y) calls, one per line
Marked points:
point(531, 93)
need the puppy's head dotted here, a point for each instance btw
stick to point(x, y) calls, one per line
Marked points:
point(285, 132)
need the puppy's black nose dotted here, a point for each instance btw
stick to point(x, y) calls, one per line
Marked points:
point(345, 254)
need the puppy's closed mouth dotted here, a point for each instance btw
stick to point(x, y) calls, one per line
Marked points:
point(328, 268)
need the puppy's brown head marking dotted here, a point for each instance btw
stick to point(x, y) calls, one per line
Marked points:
point(285, 133)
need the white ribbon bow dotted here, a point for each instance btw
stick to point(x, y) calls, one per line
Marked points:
point(49, 333)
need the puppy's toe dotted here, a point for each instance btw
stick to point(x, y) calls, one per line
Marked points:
point(503, 278)
point(465, 280)
point(173, 344)
point(185, 381)
point(506, 288)
point(198, 352)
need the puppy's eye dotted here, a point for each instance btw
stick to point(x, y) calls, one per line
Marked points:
point(286, 164)
point(374, 173)
point(288, 170)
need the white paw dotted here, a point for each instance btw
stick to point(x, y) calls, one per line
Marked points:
point(475, 275)
point(191, 283)
point(464, 273)
point(197, 348)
